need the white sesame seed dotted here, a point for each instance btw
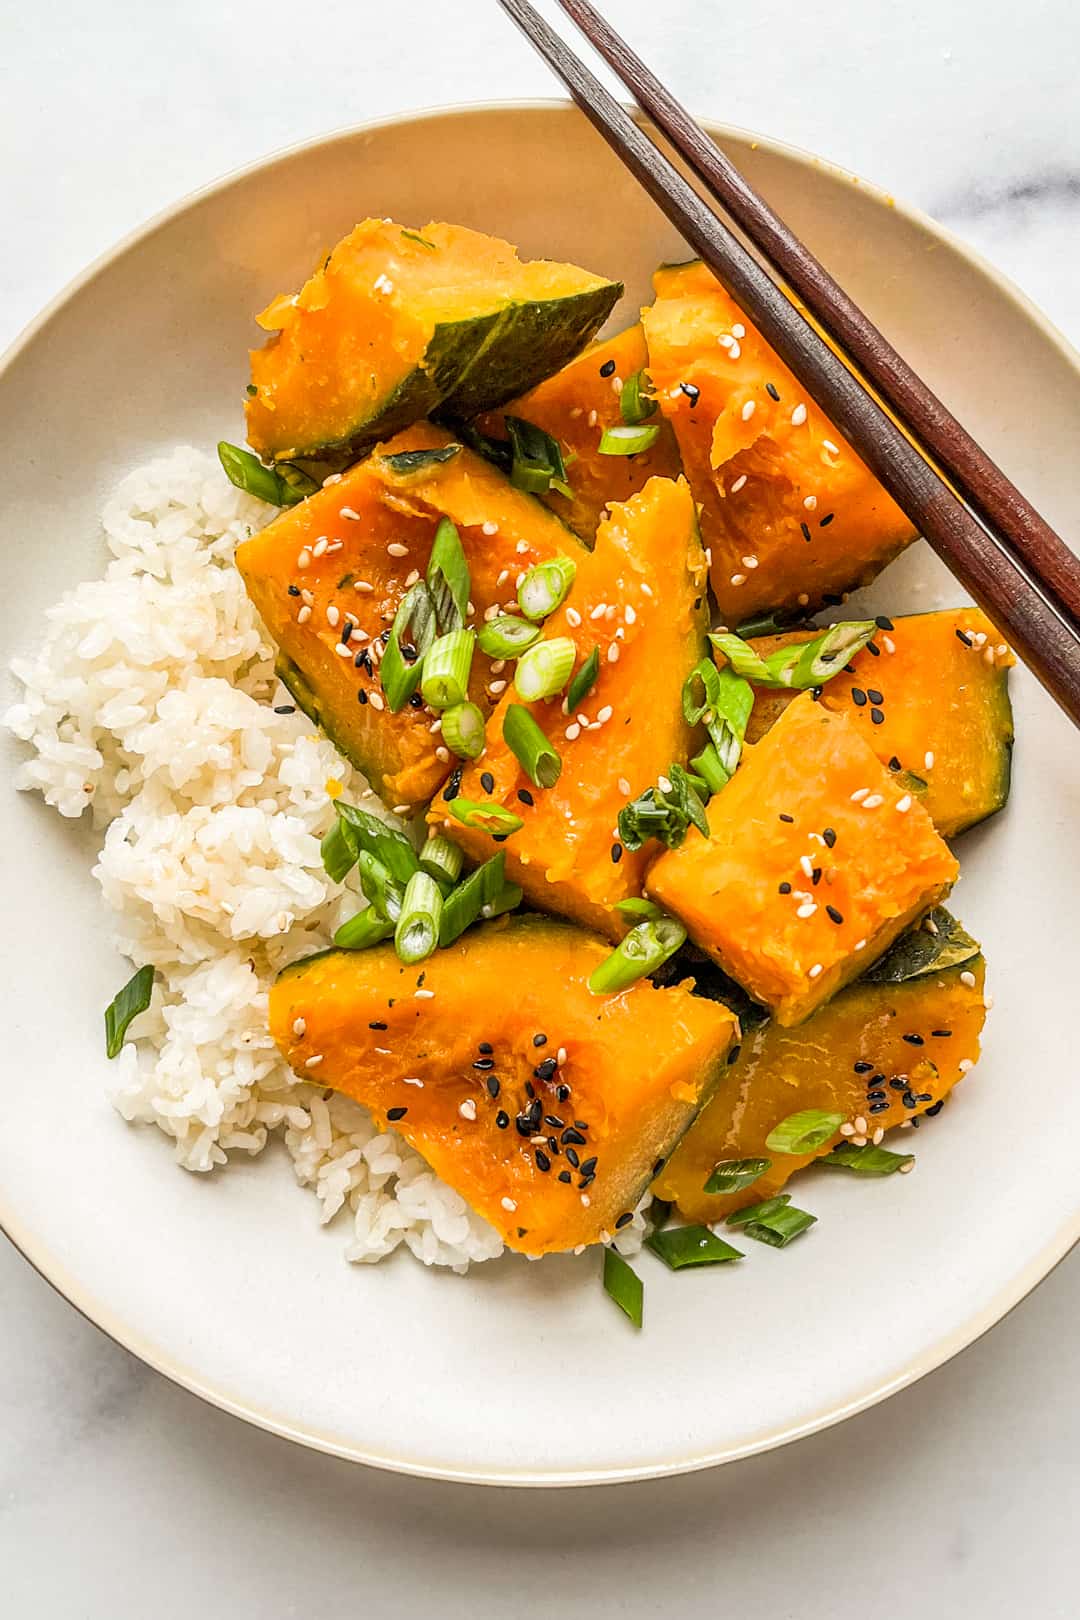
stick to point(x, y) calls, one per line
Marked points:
point(664, 784)
point(878, 1136)
point(560, 1056)
point(833, 449)
point(807, 865)
point(498, 666)
point(598, 611)
point(629, 615)
point(384, 1051)
point(299, 1028)
point(304, 559)
point(423, 995)
point(815, 971)
point(362, 585)
point(624, 787)
point(572, 732)
point(442, 754)
point(489, 528)
point(517, 586)
point(308, 597)
point(613, 653)
point(314, 1061)
point(988, 1001)
point(491, 612)
point(604, 715)
point(888, 643)
point(593, 419)
point(467, 1109)
point(411, 577)
point(304, 614)
point(435, 727)
point(806, 910)
point(333, 478)
point(860, 1125)
point(859, 793)
point(847, 1129)
point(375, 699)
point(343, 650)
point(739, 330)
point(509, 1205)
point(585, 1200)
point(333, 617)
point(860, 944)
point(400, 809)
point(497, 688)
point(858, 1141)
point(874, 800)
point(811, 503)
point(798, 416)
point(749, 562)
point(616, 386)
point(610, 612)
point(904, 804)
point(738, 579)
point(573, 618)
point(1002, 650)
point(965, 1064)
point(522, 547)
point(396, 549)
point(967, 979)
point(348, 513)
point(646, 590)
point(411, 1080)
point(909, 1164)
point(928, 760)
point(748, 410)
point(319, 548)
point(738, 484)
point(335, 545)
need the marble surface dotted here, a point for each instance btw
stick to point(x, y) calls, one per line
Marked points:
point(119, 1494)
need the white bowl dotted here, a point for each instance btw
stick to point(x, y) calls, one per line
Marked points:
point(522, 1374)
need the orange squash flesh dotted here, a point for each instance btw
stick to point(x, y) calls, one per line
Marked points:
point(646, 581)
point(761, 467)
point(932, 698)
point(635, 1068)
point(575, 407)
point(370, 509)
point(780, 1072)
point(396, 323)
point(885, 867)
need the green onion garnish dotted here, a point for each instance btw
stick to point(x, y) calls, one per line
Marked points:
point(448, 577)
point(385, 843)
point(868, 1160)
point(507, 636)
point(415, 618)
point(407, 463)
point(379, 887)
point(417, 931)
point(583, 682)
point(544, 669)
point(339, 850)
point(367, 928)
point(445, 677)
point(624, 1286)
point(414, 236)
point(525, 740)
point(644, 949)
point(804, 664)
point(759, 1212)
point(463, 905)
point(537, 463)
point(127, 1004)
point(490, 818)
point(545, 587)
point(709, 769)
point(636, 402)
point(441, 859)
point(628, 441)
point(680, 1246)
point(781, 1227)
point(508, 898)
point(284, 485)
point(638, 906)
point(723, 700)
point(803, 1132)
point(463, 730)
point(732, 1175)
point(664, 812)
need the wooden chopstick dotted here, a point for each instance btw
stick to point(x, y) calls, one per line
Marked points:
point(1041, 633)
point(979, 479)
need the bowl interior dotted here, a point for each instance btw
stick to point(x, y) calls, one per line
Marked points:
point(520, 1373)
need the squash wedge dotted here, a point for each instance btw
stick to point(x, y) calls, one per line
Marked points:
point(546, 1107)
point(397, 323)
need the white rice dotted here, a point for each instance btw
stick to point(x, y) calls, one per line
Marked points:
point(149, 705)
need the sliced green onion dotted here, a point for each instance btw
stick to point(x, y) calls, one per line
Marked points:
point(803, 1132)
point(367, 928)
point(417, 931)
point(339, 850)
point(759, 1212)
point(489, 818)
point(623, 1285)
point(463, 730)
point(636, 402)
point(463, 905)
point(544, 669)
point(379, 887)
point(537, 463)
point(508, 898)
point(414, 236)
point(525, 740)
point(643, 950)
point(507, 636)
point(385, 843)
point(801, 665)
point(127, 1004)
point(763, 624)
point(681, 1246)
point(445, 677)
point(448, 577)
point(416, 617)
point(708, 767)
point(407, 463)
point(583, 682)
point(638, 906)
point(781, 1227)
point(628, 441)
point(868, 1160)
point(441, 859)
point(733, 1175)
point(664, 812)
point(723, 700)
point(546, 586)
point(284, 485)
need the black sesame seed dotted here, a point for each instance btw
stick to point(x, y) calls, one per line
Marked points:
point(563, 1093)
point(785, 888)
point(377, 1025)
point(924, 1096)
point(502, 1120)
point(913, 1040)
point(572, 1156)
point(487, 781)
point(931, 1113)
point(877, 1108)
point(571, 1134)
point(545, 1070)
point(361, 698)
point(815, 876)
point(542, 1160)
point(285, 708)
point(908, 1099)
point(553, 1144)
point(826, 520)
point(493, 1086)
point(484, 1063)
point(624, 1220)
point(586, 1181)
point(789, 819)
point(877, 718)
point(862, 1067)
point(535, 1113)
point(805, 527)
point(692, 392)
point(294, 590)
point(580, 1125)
point(898, 1085)
point(873, 649)
point(894, 764)
point(540, 1039)
point(858, 697)
point(732, 1056)
point(607, 369)
point(837, 916)
point(616, 854)
point(883, 623)
point(525, 796)
point(876, 1096)
point(830, 838)
point(523, 1125)
point(874, 695)
point(960, 636)
point(773, 392)
point(499, 838)
point(453, 786)
point(588, 1167)
point(554, 1121)
point(876, 1079)
point(564, 1175)
point(941, 1034)
point(530, 1089)
point(346, 632)
point(416, 701)
point(396, 1113)
point(485, 1047)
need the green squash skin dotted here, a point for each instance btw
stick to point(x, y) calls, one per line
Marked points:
point(1000, 706)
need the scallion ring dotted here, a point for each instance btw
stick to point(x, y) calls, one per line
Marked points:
point(444, 680)
point(489, 818)
point(507, 636)
point(546, 586)
point(583, 682)
point(463, 730)
point(544, 669)
point(635, 402)
point(417, 931)
point(644, 949)
point(803, 1132)
point(629, 441)
point(734, 1175)
point(530, 747)
point(367, 928)
point(441, 859)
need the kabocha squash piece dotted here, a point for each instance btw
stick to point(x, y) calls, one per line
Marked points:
point(575, 407)
point(546, 1107)
point(889, 1047)
point(639, 602)
point(397, 323)
point(931, 696)
point(817, 858)
point(790, 514)
point(348, 552)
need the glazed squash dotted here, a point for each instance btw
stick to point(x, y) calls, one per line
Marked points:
point(931, 697)
point(810, 798)
point(378, 524)
point(545, 1107)
point(889, 1047)
point(639, 600)
point(397, 323)
point(575, 407)
point(790, 514)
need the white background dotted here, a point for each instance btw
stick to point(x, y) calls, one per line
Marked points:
point(122, 1497)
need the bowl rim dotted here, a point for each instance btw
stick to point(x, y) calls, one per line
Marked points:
point(54, 1272)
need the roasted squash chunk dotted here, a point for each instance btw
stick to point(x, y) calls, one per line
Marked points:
point(889, 1047)
point(328, 575)
point(639, 602)
point(817, 858)
point(546, 1107)
point(576, 406)
point(931, 696)
point(397, 323)
point(790, 514)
